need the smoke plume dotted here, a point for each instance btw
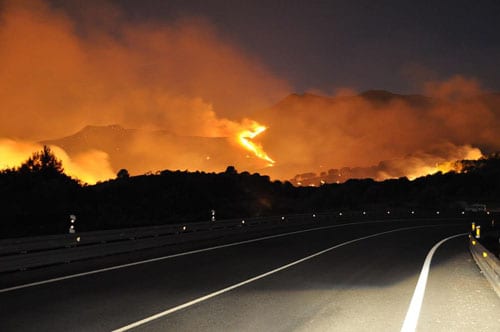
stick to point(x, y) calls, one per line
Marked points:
point(380, 134)
point(60, 75)
point(179, 83)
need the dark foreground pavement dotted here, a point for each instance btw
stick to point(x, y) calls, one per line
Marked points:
point(361, 286)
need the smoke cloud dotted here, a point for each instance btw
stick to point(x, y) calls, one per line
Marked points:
point(179, 83)
point(89, 166)
point(59, 75)
point(382, 135)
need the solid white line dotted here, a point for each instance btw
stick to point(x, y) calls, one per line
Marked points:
point(37, 283)
point(411, 319)
point(227, 289)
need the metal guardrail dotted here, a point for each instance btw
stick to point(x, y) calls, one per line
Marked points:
point(487, 262)
point(24, 253)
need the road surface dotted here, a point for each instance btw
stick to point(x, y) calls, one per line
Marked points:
point(358, 277)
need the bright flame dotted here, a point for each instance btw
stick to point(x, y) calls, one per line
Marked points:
point(467, 153)
point(245, 138)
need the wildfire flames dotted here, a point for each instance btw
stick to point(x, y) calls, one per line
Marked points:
point(447, 166)
point(245, 138)
point(63, 71)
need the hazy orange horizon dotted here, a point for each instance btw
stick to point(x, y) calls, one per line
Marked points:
point(184, 78)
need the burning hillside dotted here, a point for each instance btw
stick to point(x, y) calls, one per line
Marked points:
point(185, 98)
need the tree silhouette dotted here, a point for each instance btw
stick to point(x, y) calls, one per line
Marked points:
point(43, 162)
point(231, 170)
point(122, 174)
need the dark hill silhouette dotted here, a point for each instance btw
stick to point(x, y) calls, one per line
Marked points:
point(382, 96)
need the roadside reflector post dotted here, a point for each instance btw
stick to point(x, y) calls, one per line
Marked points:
point(473, 226)
point(478, 232)
point(72, 220)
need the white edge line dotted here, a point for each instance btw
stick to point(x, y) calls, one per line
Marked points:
point(71, 276)
point(227, 289)
point(412, 316)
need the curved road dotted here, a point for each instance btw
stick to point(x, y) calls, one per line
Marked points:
point(358, 277)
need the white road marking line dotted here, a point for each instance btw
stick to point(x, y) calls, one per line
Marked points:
point(48, 281)
point(413, 314)
point(227, 289)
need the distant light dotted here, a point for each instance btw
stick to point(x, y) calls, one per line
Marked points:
point(463, 212)
point(437, 212)
point(282, 218)
point(364, 212)
point(184, 228)
point(412, 212)
point(243, 221)
point(340, 213)
point(487, 212)
point(388, 212)
point(314, 215)
point(78, 239)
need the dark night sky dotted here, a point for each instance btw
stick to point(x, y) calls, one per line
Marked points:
point(327, 45)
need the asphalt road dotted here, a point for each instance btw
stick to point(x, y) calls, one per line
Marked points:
point(363, 281)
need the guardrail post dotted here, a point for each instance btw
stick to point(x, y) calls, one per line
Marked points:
point(473, 226)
